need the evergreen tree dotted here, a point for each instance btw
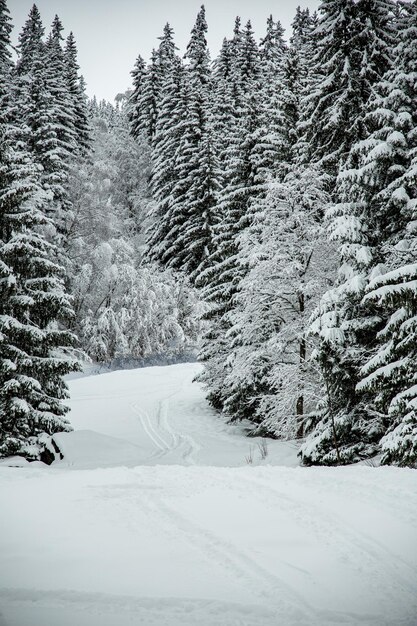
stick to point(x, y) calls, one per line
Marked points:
point(390, 373)
point(182, 235)
point(30, 41)
point(5, 31)
point(359, 319)
point(197, 54)
point(33, 111)
point(44, 112)
point(76, 91)
point(135, 100)
point(301, 28)
point(352, 53)
point(240, 184)
point(272, 47)
point(271, 136)
point(196, 191)
point(165, 145)
point(63, 106)
point(33, 348)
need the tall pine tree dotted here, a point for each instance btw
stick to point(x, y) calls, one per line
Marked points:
point(33, 348)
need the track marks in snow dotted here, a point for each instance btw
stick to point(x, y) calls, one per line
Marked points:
point(368, 558)
point(160, 431)
point(234, 561)
point(152, 432)
point(292, 547)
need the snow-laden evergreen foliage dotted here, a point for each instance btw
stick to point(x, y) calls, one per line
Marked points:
point(240, 182)
point(32, 344)
point(37, 138)
point(352, 51)
point(51, 111)
point(310, 147)
point(135, 114)
point(259, 149)
point(366, 321)
point(277, 183)
point(272, 377)
point(390, 373)
point(78, 99)
point(185, 169)
point(35, 350)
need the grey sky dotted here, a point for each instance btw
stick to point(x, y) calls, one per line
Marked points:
point(110, 34)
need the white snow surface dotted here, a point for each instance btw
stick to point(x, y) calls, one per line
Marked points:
point(155, 517)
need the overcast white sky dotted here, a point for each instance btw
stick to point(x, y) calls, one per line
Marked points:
point(111, 33)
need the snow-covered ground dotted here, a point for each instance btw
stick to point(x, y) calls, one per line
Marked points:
point(155, 517)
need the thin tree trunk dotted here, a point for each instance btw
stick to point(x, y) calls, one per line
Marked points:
point(302, 357)
point(329, 400)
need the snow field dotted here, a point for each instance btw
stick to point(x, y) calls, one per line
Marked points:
point(168, 539)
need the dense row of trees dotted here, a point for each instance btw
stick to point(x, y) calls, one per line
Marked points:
point(284, 178)
point(267, 198)
point(74, 199)
point(42, 131)
point(124, 309)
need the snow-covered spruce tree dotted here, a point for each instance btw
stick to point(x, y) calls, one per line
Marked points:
point(143, 104)
point(44, 114)
point(169, 77)
point(164, 160)
point(283, 73)
point(284, 81)
point(63, 102)
point(271, 136)
point(184, 231)
point(365, 359)
point(33, 349)
point(200, 197)
point(197, 55)
point(30, 40)
point(352, 51)
point(301, 28)
point(264, 113)
point(298, 73)
point(289, 266)
point(391, 372)
point(272, 46)
point(235, 72)
point(222, 97)
point(76, 91)
point(5, 51)
point(198, 153)
point(240, 185)
point(135, 105)
point(254, 154)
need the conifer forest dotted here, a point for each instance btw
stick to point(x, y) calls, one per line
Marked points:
point(259, 208)
point(208, 322)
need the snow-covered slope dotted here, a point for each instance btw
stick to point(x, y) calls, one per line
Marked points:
point(155, 415)
point(154, 517)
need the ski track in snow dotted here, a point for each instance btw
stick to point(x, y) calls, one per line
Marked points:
point(234, 561)
point(170, 527)
point(161, 433)
point(353, 546)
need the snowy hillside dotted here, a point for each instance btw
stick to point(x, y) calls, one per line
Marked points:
point(155, 517)
point(155, 416)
